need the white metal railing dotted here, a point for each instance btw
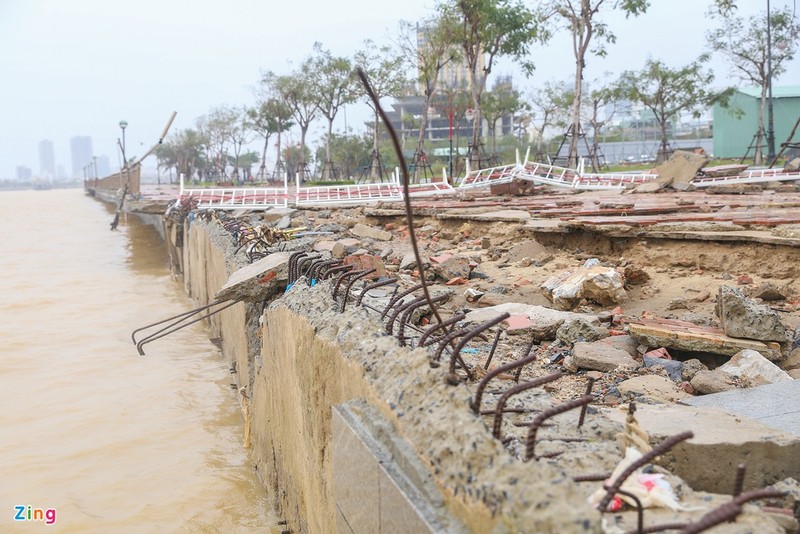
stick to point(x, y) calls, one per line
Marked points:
point(748, 177)
point(254, 198)
point(492, 176)
point(349, 194)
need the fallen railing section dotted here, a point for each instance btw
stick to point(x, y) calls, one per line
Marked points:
point(233, 198)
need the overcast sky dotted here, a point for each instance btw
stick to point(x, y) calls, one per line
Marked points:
point(76, 67)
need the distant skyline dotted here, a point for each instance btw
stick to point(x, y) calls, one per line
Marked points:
point(79, 67)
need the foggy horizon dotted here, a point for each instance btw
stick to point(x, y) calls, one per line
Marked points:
point(77, 69)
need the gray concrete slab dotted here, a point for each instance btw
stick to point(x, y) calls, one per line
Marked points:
point(774, 405)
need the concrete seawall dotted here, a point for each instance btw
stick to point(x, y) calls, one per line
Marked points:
point(352, 433)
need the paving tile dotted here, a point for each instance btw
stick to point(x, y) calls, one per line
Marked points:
point(775, 405)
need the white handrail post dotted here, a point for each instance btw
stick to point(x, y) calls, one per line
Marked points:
point(181, 188)
point(527, 155)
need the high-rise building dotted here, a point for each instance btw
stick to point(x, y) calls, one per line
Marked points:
point(47, 160)
point(81, 148)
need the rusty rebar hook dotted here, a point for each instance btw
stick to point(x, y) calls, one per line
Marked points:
point(341, 278)
point(335, 270)
point(361, 274)
point(423, 341)
point(370, 287)
point(293, 259)
point(315, 273)
point(468, 336)
point(397, 311)
point(530, 443)
point(519, 388)
point(406, 316)
point(397, 297)
point(476, 404)
point(658, 450)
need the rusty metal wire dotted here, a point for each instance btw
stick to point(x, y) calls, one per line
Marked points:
point(658, 450)
point(519, 388)
point(406, 195)
point(423, 341)
point(530, 443)
point(375, 285)
point(469, 335)
point(476, 404)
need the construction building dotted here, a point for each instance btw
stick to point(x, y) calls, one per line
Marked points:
point(736, 126)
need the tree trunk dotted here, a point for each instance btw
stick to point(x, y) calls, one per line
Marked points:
point(662, 156)
point(302, 164)
point(572, 157)
point(278, 164)
point(262, 172)
point(421, 137)
point(375, 170)
point(758, 158)
point(327, 167)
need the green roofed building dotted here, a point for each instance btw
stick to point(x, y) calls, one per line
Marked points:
point(734, 134)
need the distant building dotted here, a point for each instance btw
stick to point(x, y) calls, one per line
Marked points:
point(734, 134)
point(24, 174)
point(81, 149)
point(47, 160)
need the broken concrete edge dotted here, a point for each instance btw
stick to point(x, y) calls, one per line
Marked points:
point(480, 483)
point(721, 442)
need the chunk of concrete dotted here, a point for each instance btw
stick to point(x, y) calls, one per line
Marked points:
point(257, 281)
point(674, 368)
point(546, 321)
point(708, 382)
point(578, 329)
point(626, 343)
point(603, 285)
point(654, 387)
point(753, 369)
point(681, 335)
point(792, 361)
point(600, 357)
point(343, 247)
point(742, 317)
point(770, 404)
point(721, 441)
point(362, 230)
point(453, 267)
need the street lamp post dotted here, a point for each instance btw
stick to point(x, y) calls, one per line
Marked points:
point(123, 124)
point(771, 122)
point(450, 117)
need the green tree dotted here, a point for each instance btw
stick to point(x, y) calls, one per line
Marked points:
point(384, 69)
point(185, 151)
point(548, 106)
point(348, 150)
point(486, 30)
point(279, 112)
point(297, 91)
point(582, 19)
point(667, 92)
point(503, 100)
point(427, 57)
point(334, 87)
point(596, 101)
point(745, 46)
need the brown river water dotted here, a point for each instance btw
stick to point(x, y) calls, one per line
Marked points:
point(92, 434)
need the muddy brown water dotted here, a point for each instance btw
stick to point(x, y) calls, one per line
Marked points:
point(113, 442)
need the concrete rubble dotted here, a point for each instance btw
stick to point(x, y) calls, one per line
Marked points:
point(649, 307)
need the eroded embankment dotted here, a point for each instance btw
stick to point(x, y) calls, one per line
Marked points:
point(315, 358)
point(308, 360)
